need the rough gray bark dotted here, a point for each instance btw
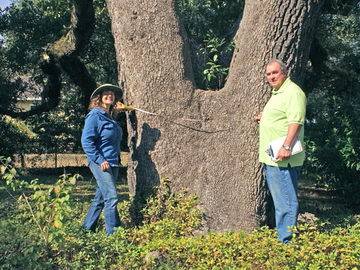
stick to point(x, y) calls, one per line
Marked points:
point(215, 157)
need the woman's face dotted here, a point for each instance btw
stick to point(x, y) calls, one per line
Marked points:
point(107, 98)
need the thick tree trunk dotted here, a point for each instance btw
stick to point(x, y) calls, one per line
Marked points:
point(215, 155)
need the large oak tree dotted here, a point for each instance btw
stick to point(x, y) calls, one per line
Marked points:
point(204, 141)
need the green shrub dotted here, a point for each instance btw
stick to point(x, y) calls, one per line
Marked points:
point(169, 238)
point(261, 250)
point(20, 247)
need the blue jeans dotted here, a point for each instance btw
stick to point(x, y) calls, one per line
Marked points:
point(105, 198)
point(282, 183)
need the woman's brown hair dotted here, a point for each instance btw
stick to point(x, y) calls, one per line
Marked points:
point(95, 102)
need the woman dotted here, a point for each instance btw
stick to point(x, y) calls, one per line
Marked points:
point(100, 140)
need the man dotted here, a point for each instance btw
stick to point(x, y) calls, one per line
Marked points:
point(283, 116)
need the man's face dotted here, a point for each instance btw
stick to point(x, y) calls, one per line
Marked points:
point(274, 75)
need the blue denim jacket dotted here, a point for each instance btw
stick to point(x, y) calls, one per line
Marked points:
point(101, 138)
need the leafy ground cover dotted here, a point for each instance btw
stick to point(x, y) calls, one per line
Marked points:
point(40, 228)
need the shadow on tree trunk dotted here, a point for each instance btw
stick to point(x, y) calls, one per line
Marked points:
point(147, 179)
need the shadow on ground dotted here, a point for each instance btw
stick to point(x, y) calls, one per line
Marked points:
point(324, 207)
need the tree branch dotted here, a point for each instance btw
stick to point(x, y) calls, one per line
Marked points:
point(64, 53)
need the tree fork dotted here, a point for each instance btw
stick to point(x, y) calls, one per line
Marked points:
point(156, 73)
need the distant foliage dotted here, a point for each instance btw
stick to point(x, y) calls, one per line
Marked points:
point(210, 26)
point(14, 136)
point(333, 127)
point(28, 27)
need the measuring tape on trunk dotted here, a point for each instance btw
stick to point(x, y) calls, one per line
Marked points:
point(131, 108)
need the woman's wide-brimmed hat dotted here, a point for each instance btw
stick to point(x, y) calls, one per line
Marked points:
point(107, 87)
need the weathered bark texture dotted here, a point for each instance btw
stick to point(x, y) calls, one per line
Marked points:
point(215, 157)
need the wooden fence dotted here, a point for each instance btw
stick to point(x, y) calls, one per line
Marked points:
point(39, 161)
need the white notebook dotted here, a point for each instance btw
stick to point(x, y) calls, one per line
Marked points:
point(275, 146)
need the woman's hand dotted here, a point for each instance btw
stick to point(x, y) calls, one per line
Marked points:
point(119, 106)
point(105, 166)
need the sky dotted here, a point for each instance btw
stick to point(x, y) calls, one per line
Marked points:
point(4, 3)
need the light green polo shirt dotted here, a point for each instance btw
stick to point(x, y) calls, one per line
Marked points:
point(287, 105)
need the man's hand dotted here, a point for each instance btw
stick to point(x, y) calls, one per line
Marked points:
point(283, 154)
point(105, 166)
point(258, 117)
point(119, 106)
point(293, 132)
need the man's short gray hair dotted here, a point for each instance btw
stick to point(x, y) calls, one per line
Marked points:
point(283, 66)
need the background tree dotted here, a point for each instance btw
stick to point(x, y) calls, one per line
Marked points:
point(216, 157)
point(28, 27)
point(333, 132)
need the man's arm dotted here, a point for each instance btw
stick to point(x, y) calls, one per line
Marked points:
point(293, 132)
